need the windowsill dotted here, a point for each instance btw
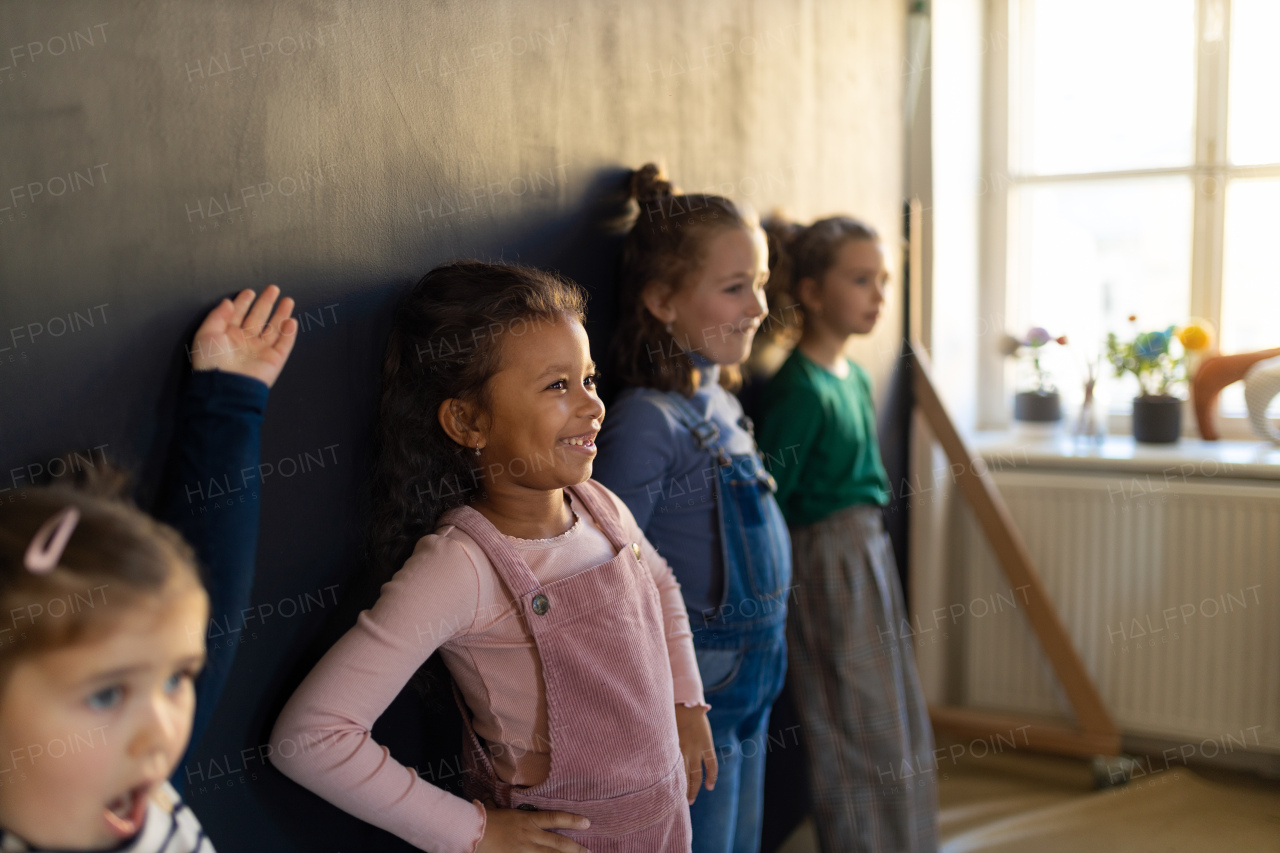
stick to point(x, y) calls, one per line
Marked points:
point(1191, 457)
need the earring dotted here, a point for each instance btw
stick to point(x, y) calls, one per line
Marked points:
point(477, 450)
point(670, 330)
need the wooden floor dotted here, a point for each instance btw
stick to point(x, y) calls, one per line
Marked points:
point(1013, 803)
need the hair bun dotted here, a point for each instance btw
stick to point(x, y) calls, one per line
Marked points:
point(648, 183)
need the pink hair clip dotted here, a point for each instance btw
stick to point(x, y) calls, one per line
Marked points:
point(50, 540)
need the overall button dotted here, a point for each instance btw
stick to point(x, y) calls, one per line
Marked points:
point(635, 549)
point(540, 604)
point(526, 807)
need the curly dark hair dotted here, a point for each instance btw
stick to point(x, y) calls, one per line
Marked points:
point(446, 342)
point(666, 243)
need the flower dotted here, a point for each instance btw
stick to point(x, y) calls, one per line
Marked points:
point(1157, 359)
point(1062, 340)
point(1195, 336)
point(1038, 337)
point(1030, 347)
point(1151, 345)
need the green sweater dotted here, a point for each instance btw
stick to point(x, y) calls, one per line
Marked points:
point(818, 437)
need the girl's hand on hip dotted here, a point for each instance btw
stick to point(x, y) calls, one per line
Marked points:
point(519, 831)
point(235, 339)
point(698, 748)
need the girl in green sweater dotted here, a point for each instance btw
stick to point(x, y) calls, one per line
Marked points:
point(854, 679)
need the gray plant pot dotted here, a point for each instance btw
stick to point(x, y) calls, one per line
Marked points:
point(1157, 420)
point(1034, 407)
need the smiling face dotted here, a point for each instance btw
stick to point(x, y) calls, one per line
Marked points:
point(852, 291)
point(717, 311)
point(543, 414)
point(90, 730)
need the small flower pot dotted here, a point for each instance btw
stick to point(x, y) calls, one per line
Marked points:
point(1157, 420)
point(1037, 407)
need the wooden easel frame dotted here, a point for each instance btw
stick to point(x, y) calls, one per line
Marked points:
point(1096, 732)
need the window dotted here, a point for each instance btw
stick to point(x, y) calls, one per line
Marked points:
point(1141, 146)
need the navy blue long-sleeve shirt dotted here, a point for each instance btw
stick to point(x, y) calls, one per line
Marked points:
point(211, 498)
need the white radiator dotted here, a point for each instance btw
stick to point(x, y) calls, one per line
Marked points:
point(1170, 590)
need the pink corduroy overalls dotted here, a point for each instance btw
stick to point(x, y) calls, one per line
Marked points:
point(615, 755)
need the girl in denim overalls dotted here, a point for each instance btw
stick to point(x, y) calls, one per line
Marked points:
point(679, 452)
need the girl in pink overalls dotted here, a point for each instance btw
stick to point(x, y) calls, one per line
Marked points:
point(564, 631)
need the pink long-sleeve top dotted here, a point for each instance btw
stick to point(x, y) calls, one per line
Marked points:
point(449, 596)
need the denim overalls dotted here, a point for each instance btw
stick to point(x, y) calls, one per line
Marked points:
point(741, 644)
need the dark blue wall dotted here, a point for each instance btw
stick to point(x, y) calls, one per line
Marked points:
point(156, 156)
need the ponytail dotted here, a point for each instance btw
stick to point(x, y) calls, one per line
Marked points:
point(782, 325)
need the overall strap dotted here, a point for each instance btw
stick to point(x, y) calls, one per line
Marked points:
point(707, 435)
point(519, 580)
point(705, 431)
point(604, 512)
point(510, 566)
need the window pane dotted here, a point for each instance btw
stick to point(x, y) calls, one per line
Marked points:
point(1253, 123)
point(1250, 276)
point(1105, 84)
point(1089, 254)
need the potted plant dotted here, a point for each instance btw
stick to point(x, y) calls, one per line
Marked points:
point(1159, 361)
point(1038, 403)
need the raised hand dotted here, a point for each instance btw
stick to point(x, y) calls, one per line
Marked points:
point(237, 339)
point(698, 748)
point(517, 831)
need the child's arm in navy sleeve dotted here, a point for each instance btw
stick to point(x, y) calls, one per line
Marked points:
point(213, 489)
point(212, 501)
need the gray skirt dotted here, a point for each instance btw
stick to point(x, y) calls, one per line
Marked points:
point(856, 690)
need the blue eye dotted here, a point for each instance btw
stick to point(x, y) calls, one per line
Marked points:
point(174, 682)
point(106, 698)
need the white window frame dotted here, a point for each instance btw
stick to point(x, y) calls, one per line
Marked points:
point(1210, 172)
